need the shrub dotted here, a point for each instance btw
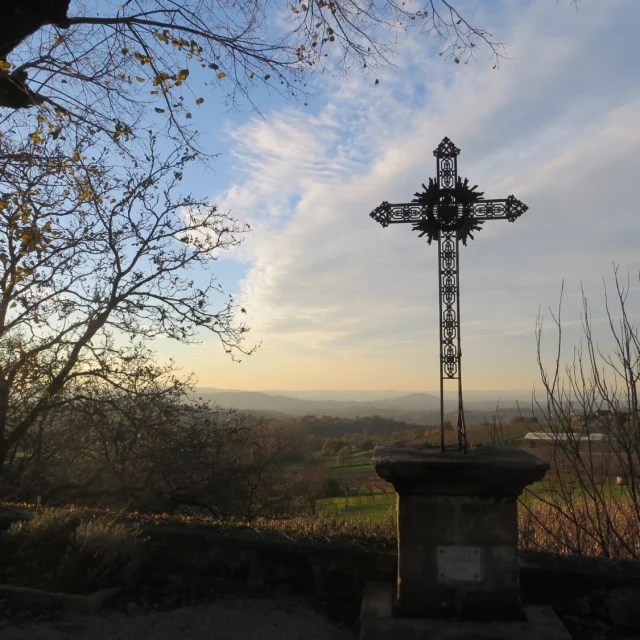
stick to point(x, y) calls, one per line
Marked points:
point(104, 553)
point(58, 550)
point(367, 444)
point(332, 488)
point(46, 525)
point(157, 450)
point(342, 456)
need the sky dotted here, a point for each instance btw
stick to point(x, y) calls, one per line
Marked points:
point(336, 301)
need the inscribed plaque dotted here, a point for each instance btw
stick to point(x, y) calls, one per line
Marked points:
point(459, 564)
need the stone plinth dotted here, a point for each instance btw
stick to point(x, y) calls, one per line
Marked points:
point(458, 529)
point(378, 623)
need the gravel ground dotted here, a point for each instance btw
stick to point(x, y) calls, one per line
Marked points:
point(241, 619)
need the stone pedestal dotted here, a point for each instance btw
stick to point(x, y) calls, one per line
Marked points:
point(458, 529)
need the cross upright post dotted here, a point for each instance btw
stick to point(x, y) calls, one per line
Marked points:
point(450, 211)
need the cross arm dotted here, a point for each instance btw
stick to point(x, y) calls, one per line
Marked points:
point(498, 209)
point(407, 212)
point(411, 212)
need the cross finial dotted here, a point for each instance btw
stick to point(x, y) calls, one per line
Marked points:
point(446, 149)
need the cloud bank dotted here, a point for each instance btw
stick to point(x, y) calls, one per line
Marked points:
point(339, 302)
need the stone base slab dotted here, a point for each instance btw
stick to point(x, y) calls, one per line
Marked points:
point(377, 623)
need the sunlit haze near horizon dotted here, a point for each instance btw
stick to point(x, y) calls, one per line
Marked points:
point(336, 301)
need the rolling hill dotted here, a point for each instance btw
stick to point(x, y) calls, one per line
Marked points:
point(415, 408)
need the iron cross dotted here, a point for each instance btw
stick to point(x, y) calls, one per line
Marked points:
point(449, 210)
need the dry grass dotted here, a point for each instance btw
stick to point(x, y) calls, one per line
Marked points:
point(587, 527)
point(609, 528)
point(327, 526)
point(62, 550)
point(323, 526)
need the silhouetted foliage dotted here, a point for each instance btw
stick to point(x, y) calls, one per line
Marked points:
point(144, 445)
point(94, 262)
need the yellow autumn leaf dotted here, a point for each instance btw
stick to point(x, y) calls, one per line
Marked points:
point(36, 136)
point(199, 100)
point(139, 79)
point(221, 75)
point(5, 66)
point(161, 77)
point(142, 58)
point(183, 74)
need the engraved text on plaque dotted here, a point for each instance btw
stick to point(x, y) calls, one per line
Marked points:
point(459, 564)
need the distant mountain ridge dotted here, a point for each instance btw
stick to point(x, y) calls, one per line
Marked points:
point(360, 395)
point(259, 400)
point(416, 408)
point(412, 401)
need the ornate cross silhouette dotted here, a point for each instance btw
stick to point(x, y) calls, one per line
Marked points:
point(449, 210)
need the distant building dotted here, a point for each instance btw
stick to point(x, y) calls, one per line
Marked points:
point(541, 436)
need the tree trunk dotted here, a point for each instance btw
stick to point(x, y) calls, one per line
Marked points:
point(4, 450)
point(19, 21)
point(23, 18)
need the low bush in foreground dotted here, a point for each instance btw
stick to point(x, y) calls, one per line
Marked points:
point(62, 549)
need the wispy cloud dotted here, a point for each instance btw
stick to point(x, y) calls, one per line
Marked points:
point(556, 125)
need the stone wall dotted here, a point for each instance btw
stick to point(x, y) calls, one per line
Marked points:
point(267, 559)
point(589, 593)
point(595, 593)
point(597, 598)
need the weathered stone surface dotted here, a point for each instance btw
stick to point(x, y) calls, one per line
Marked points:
point(377, 623)
point(377, 599)
point(489, 471)
point(455, 501)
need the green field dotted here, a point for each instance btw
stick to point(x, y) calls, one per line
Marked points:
point(376, 507)
point(351, 468)
point(357, 471)
point(355, 464)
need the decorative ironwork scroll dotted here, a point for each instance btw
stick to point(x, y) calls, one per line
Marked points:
point(450, 211)
point(449, 293)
